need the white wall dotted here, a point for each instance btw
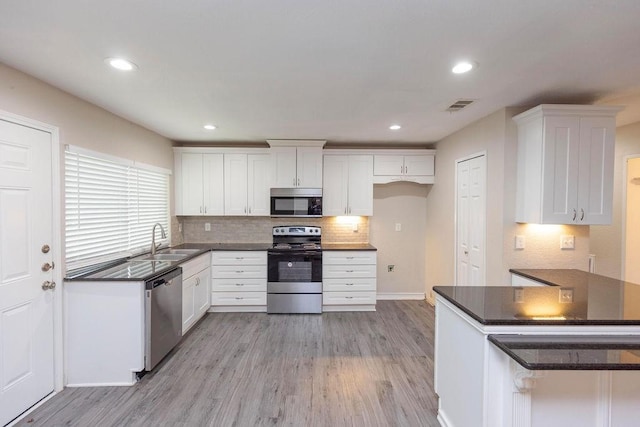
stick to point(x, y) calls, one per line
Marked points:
point(80, 123)
point(496, 135)
point(404, 203)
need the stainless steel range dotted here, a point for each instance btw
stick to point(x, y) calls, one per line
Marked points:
point(295, 270)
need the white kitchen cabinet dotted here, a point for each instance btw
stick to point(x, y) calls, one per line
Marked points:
point(296, 163)
point(419, 168)
point(199, 184)
point(349, 280)
point(247, 184)
point(239, 281)
point(196, 285)
point(565, 164)
point(348, 185)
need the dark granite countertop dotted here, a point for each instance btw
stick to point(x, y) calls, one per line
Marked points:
point(575, 352)
point(566, 277)
point(128, 270)
point(591, 303)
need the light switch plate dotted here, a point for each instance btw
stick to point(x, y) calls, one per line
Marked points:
point(207, 226)
point(520, 242)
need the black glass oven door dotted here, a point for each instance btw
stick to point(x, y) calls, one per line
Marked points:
point(295, 266)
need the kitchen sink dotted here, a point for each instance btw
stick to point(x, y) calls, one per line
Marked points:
point(161, 257)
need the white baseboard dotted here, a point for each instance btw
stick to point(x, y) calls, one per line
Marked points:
point(400, 296)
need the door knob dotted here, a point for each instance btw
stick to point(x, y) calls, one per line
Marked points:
point(46, 266)
point(45, 249)
point(46, 285)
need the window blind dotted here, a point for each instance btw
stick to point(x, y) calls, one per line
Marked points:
point(111, 205)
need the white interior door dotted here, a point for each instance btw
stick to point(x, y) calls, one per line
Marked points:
point(470, 221)
point(632, 226)
point(26, 309)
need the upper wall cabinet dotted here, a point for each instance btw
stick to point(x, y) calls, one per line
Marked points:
point(348, 185)
point(565, 164)
point(411, 165)
point(222, 181)
point(199, 184)
point(247, 184)
point(296, 163)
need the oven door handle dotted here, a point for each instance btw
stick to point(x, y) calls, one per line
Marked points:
point(295, 253)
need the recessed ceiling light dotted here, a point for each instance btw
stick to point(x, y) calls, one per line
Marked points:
point(395, 127)
point(463, 67)
point(121, 64)
point(209, 127)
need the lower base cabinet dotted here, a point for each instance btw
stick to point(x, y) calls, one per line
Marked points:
point(349, 280)
point(195, 290)
point(239, 281)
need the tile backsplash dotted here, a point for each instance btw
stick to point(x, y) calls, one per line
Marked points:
point(238, 229)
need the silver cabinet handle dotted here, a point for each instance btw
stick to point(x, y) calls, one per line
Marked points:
point(239, 284)
point(245, 209)
point(349, 284)
point(582, 214)
point(249, 209)
point(200, 209)
point(298, 182)
point(239, 298)
point(401, 167)
point(239, 257)
point(197, 281)
point(239, 271)
point(349, 297)
point(46, 285)
point(349, 271)
point(574, 215)
point(350, 257)
point(294, 182)
point(205, 209)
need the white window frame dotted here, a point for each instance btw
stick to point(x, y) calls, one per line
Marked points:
point(111, 205)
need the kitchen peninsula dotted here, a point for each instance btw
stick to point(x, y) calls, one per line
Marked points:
point(539, 355)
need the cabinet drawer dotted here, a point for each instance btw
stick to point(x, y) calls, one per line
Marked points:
point(238, 298)
point(348, 257)
point(348, 271)
point(239, 285)
point(349, 285)
point(239, 258)
point(348, 298)
point(194, 266)
point(239, 272)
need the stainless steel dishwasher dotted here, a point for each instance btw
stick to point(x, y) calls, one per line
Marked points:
point(163, 311)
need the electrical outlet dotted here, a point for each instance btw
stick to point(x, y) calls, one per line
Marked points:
point(179, 227)
point(391, 268)
point(354, 227)
point(398, 226)
point(207, 226)
point(566, 295)
point(519, 243)
point(567, 241)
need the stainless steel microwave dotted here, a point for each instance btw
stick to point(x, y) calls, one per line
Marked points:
point(296, 202)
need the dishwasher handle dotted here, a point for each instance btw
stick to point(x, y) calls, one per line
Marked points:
point(166, 278)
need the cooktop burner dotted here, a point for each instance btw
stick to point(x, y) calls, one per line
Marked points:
point(297, 246)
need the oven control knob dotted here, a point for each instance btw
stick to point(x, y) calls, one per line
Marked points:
point(277, 230)
point(289, 264)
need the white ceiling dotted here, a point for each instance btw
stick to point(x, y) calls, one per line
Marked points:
point(340, 70)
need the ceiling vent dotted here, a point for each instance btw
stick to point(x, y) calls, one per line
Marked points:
point(459, 105)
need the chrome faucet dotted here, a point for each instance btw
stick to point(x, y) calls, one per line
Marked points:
point(163, 235)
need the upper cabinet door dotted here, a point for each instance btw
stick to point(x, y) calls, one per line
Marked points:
point(560, 169)
point(284, 169)
point(213, 184)
point(419, 165)
point(191, 187)
point(334, 191)
point(259, 184)
point(309, 167)
point(597, 146)
point(360, 185)
point(388, 165)
point(235, 184)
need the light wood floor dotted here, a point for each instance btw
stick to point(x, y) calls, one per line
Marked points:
point(253, 369)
